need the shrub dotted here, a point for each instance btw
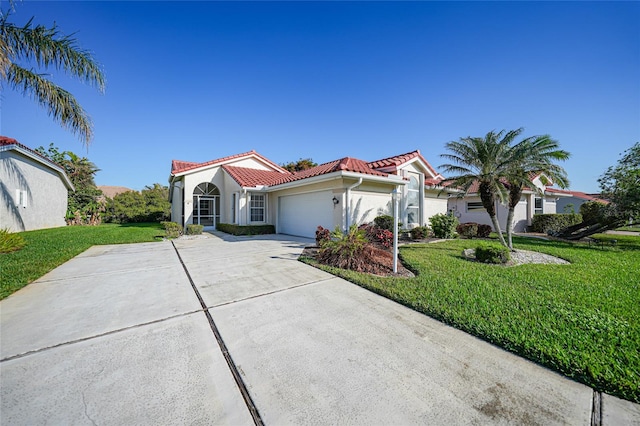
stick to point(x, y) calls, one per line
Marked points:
point(593, 211)
point(468, 230)
point(484, 230)
point(385, 222)
point(419, 232)
point(346, 250)
point(375, 234)
point(486, 253)
point(443, 225)
point(322, 235)
point(173, 229)
point(193, 229)
point(10, 242)
point(546, 223)
point(149, 205)
point(246, 229)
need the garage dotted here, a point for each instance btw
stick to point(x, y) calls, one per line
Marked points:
point(301, 214)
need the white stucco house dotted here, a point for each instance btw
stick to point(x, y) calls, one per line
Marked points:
point(249, 189)
point(574, 199)
point(543, 200)
point(33, 189)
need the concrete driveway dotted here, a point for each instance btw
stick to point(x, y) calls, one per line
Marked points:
point(236, 331)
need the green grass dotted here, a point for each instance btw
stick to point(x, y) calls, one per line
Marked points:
point(47, 249)
point(582, 319)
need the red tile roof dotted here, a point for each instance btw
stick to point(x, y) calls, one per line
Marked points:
point(391, 164)
point(178, 166)
point(579, 194)
point(249, 177)
point(253, 177)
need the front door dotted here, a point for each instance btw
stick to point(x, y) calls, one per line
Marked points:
point(206, 211)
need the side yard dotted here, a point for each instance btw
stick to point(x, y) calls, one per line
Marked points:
point(47, 249)
point(582, 319)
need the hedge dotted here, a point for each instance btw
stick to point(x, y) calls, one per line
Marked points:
point(246, 229)
point(546, 223)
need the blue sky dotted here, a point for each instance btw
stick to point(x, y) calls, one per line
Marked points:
point(201, 80)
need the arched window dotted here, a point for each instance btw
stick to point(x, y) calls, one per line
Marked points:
point(206, 188)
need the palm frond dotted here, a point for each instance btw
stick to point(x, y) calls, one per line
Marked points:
point(47, 47)
point(60, 104)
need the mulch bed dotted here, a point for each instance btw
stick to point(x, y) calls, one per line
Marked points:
point(382, 264)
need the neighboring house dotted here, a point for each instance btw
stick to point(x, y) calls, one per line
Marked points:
point(33, 189)
point(249, 189)
point(469, 208)
point(574, 199)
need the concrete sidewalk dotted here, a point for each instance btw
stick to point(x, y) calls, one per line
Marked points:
point(118, 336)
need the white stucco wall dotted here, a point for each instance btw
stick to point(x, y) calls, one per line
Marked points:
point(520, 216)
point(43, 189)
point(366, 206)
point(434, 203)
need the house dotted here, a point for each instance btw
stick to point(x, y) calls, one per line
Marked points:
point(543, 200)
point(572, 203)
point(33, 189)
point(248, 188)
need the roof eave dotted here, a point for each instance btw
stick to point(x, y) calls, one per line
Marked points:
point(36, 158)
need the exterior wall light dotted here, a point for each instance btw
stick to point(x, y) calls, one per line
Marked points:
point(335, 201)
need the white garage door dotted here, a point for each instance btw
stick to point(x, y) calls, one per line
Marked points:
point(301, 214)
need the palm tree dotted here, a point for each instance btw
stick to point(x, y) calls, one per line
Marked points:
point(485, 161)
point(530, 158)
point(46, 47)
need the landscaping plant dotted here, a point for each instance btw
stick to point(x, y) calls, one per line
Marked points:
point(10, 241)
point(419, 232)
point(193, 229)
point(172, 229)
point(443, 225)
point(486, 253)
point(468, 230)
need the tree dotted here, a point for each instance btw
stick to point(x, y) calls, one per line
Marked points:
point(301, 164)
point(530, 158)
point(21, 47)
point(620, 185)
point(485, 161)
point(84, 205)
point(149, 205)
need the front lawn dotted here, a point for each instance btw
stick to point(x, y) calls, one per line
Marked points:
point(47, 249)
point(582, 319)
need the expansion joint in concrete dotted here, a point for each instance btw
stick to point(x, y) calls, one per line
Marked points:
point(244, 391)
point(596, 409)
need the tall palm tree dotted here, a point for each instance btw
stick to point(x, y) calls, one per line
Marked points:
point(485, 161)
point(47, 47)
point(532, 157)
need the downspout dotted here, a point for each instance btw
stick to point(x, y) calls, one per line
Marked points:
point(348, 206)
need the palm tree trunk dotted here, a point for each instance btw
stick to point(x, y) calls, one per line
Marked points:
point(510, 228)
point(496, 226)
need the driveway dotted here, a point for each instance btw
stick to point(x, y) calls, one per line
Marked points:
point(235, 330)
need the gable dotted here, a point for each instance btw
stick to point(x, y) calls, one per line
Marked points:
point(249, 159)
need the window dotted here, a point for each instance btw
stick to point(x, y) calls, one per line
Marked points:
point(21, 198)
point(233, 208)
point(256, 206)
point(537, 208)
point(475, 207)
point(413, 200)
